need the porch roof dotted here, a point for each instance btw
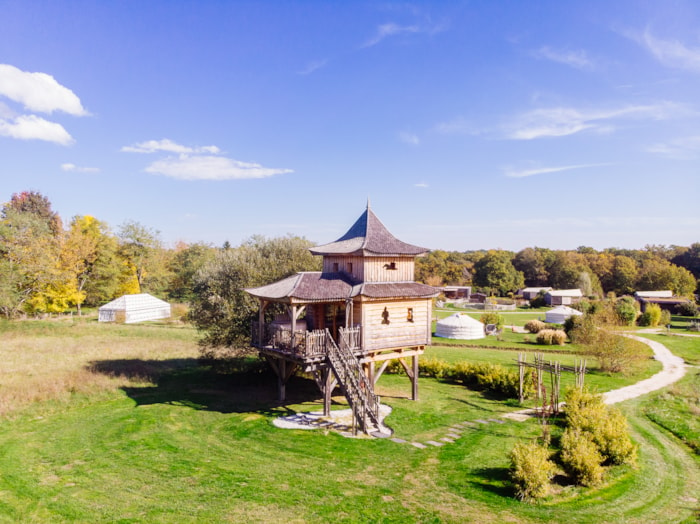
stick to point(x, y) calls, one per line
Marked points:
point(308, 286)
point(314, 286)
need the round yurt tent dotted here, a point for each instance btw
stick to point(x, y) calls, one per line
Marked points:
point(559, 314)
point(459, 326)
point(134, 308)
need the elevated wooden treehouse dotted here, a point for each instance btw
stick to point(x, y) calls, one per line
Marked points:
point(345, 323)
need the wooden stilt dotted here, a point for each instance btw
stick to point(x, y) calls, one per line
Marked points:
point(414, 379)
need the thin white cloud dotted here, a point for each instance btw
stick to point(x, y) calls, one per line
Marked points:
point(38, 92)
point(521, 173)
point(167, 146)
point(421, 185)
point(208, 167)
point(563, 121)
point(671, 53)
point(457, 126)
point(409, 138)
point(577, 59)
point(312, 66)
point(72, 168)
point(32, 127)
point(680, 148)
point(391, 29)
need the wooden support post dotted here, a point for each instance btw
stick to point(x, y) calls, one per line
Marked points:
point(414, 379)
point(281, 383)
point(329, 384)
point(378, 373)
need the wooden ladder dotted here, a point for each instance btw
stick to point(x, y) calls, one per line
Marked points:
point(357, 388)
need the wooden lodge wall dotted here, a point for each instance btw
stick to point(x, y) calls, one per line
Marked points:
point(393, 329)
point(372, 269)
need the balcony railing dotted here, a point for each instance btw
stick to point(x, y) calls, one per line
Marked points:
point(300, 343)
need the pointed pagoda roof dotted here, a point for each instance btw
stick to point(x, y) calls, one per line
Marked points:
point(368, 237)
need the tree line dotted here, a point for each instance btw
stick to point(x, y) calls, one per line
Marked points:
point(620, 271)
point(47, 266)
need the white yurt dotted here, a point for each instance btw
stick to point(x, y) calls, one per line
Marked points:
point(559, 314)
point(134, 308)
point(459, 326)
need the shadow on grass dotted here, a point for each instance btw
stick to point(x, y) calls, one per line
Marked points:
point(188, 382)
point(495, 480)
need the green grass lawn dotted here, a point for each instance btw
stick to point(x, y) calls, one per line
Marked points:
point(172, 441)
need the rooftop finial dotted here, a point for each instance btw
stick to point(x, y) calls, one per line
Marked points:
point(367, 202)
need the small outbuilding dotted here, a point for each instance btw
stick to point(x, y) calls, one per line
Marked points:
point(459, 326)
point(130, 309)
point(562, 297)
point(560, 314)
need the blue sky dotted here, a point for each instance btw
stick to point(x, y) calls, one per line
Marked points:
point(469, 125)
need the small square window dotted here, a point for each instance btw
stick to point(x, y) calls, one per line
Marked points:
point(349, 267)
point(335, 267)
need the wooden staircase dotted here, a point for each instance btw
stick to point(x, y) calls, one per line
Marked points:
point(357, 388)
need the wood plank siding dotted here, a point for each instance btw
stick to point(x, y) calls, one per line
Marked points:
point(386, 324)
point(372, 269)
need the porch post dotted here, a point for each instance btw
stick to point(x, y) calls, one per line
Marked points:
point(327, 390)
point(281, 382)
point(414, 379)
point(261, 323)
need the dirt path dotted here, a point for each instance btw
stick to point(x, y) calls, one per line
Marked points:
point(673, 370)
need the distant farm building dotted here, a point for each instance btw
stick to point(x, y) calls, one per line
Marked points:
point(130, 309)
point(459, 326)
point(529, 293)
point(457, 292)
point(562, 297)
point(345, 323)
point(664, 299)
point(560, 314)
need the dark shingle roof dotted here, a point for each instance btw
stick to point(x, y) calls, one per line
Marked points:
point(307, 287)
point(368, 237)
point(319, 287)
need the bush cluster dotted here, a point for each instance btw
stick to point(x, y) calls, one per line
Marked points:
point(626, 309)
point(479, 376)
point(535, 326)
point(551, 337)
point(581, 458)
point(606, 426)
point(687, 309)
point(595, 435)
point(531, 470)
point(651, 316)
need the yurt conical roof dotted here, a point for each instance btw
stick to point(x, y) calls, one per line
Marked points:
point(459, 326)
point(559, 314)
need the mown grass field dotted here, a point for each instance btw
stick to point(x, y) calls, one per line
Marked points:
point(133, 429)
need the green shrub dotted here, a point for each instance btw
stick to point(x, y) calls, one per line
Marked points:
point(665, 317)
point(605, 425)
point(535, 326)
point(434, 368)
point(550, 337)
point(531, 470)
point(687, 309)
point(651, 316)
point(615, 353)
point(492, 318)
point(611, 435)
point(626, 310)
point(581, 458)
point(581, 329)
